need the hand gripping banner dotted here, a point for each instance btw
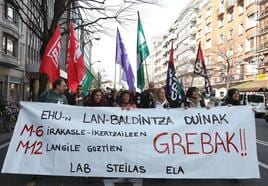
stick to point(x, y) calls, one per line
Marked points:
point(54, 139)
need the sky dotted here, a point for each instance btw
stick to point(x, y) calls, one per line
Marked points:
point(155, 20)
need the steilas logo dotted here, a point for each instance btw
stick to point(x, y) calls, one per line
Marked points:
point(54, 52)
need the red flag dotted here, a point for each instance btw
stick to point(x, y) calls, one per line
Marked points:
point(51, 57)
point(76, 67)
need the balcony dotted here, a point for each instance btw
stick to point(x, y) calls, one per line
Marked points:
point(263, 46)
point(263, 13)
point(193, 17)
point(220, 10)
point(262, 1)
point(263, 30)
point(230, 4)
point(192, 44)
point(171, 37)
point(193, 30)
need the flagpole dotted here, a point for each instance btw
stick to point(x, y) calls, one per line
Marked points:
point(114, 75)
point(147, 74)
point(192, 80)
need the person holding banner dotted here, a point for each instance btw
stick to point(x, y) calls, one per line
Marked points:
point(96, 99)
point(160, 100)
point(56, 94)
point(126, 101)
point(193, 98)
point(233, 98)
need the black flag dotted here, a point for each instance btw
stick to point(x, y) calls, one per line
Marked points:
point(171, 84)
point(200, 69)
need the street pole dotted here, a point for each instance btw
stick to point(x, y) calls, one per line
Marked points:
point(192, 81)
point(99, 79)
point(114, 75)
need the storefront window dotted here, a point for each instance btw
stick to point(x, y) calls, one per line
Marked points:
point(14, 92)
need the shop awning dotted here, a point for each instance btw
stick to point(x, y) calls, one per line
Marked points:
point(258, 85)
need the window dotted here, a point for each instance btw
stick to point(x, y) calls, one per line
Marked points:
point(220, 58)
point(230, 16)
point(208, 13)
point(240, 47)
point(240, 29)
point(241, 8)
point(199, 20)
point(208, 44)
point(249, 2)
point(230, 34)
point(208, 28)
point(208, 60)
point(220, 41)
point(9, 12)
point(250, 44)
point(199, 33)
point(230, 52)
point(220, 22)
point(251, 20)
point(9, 44)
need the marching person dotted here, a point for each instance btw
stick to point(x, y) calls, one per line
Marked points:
point(56, 94)
point(232, 98)
point(96, 99)
point(193, 98)
point(147, 96)
point(125, 100)
point(79, 97)
point(160, 100)
point(136, 97)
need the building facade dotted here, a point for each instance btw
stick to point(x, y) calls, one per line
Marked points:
point(233, 36)
point(12, 55)
point(262, 44)
point(182, 34)
point(227, 30)
point(20, 57)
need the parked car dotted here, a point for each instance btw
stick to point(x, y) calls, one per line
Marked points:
point(266, 114)
point(256, 101)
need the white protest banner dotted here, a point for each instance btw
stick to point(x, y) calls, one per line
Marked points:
point(54, 139)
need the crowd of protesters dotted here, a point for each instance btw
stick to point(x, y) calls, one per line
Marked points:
point(150, 98)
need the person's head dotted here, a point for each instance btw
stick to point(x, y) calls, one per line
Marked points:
point(193, 93)
point(151, 85)
point(233, 94)
point(161, 94)
point(79, 89)
point(97, 95)
point(125, 97)
point(59, 86)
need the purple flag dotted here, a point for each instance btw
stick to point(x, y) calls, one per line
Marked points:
point(121, 58)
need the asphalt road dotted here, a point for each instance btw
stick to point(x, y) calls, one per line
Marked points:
point(26, 180)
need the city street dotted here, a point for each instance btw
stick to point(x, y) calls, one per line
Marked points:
point(26, 180)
